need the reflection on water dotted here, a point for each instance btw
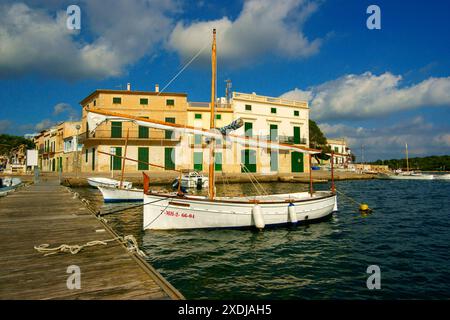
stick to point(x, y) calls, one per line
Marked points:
point(407, 235)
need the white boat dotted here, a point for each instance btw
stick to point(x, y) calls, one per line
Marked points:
point(107, 182)
point(169, 211)
point(192, 179)
point(113, 194)
point(8, 185)
point(406, 176)
point(442, 176)
point(165, 211)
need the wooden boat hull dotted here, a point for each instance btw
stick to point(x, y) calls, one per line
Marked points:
point(165, 213)
point(111, 194)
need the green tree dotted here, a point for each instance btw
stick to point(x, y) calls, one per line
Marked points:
point(8, 142)
point(317, 140)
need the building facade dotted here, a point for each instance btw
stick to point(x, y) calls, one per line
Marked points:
point(343, 154)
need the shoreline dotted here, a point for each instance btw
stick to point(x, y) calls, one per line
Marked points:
point(165, 178)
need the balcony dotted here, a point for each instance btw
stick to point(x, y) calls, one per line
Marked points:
point(283, 139)
point(135, 137)
point(264, 99)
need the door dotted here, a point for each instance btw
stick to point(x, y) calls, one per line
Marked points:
point(169, 158)
point(218, 161)
point(116, 163)
point(198, 161)
point(296, 135)
point(248, 159)
point(142, 156)
point(53, 164)
point(273, 161)
point(93, 159)
point(273, 132)
point(297, 161)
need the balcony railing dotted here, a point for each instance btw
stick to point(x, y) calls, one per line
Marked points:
point(206, 105)
point(283, 139)
point(150, 134)
point(264, 99)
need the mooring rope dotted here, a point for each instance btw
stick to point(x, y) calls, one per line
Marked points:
point(129, 240)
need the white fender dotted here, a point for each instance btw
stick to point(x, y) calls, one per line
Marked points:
point(258, 217)
point(292, 214)
point(335, 208)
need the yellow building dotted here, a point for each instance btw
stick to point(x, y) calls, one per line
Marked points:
point(265, 118)
point(53, 151)
point(144, 144)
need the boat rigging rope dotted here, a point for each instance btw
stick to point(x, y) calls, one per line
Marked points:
point(257, 184)
point(129, 241)
point(361, 205)
point(184, 67)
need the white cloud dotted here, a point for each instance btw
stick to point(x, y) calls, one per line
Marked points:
point(367, 95)
point(34, 39)
point(423, 138)
point(262, 27)
point(44, 124)
point(5, 126)
point(65, 108)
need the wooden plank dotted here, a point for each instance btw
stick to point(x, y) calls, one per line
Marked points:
point(48, 213)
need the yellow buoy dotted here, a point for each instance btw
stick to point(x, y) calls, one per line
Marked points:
point(364, 207)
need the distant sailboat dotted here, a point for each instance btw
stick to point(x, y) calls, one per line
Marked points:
point(406, 175)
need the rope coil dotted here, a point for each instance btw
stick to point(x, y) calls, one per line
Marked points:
point(129, 240)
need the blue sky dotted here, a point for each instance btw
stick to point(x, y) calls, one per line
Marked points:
point(380, 88)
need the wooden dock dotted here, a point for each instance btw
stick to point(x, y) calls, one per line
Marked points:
point(47, 213)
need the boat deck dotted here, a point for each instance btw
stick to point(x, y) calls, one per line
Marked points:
point(48, 213)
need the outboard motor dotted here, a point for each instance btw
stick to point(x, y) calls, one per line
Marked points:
point(199, 183)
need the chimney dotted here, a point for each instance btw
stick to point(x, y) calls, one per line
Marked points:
point(128, 86)
point(156, 87)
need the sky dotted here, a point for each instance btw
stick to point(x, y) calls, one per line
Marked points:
point(378, 88)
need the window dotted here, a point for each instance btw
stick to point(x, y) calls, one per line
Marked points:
point(198, 161)
point(296, 113)
point(168, 133)
point(273, 132)
point(197, 139)
point(248, 127)
point(218, 116)
point(336, 149)
point(117, 100)
point(116, 129)
point(143, 101)
point(248, 107)
point(198, 116)
point(170, 102)
point(273, 110)
point(95, 103)
point(93, 159)
point(296, 135)
point(86, 155)
point(143, 131)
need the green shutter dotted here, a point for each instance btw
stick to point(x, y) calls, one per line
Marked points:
point(273, 161)
point(297, 162)
point(170, 102)
point(198, 116)
point(143, 132)
point(296, 113)
point(93, 159)
point(273, 132)
point(117, 100)
point(248, 107)
point(197, 139)
point(273, 110)
point(218, 116)
point(169, 161)
point(168, 133)
point(116, 161)
point(296, 135)
point(248, 127)
point(143, 101)
point(116, 129)
point(218, 161)
point(86, 154)
point(248, 159)
point(143, 156)
point(198, 161)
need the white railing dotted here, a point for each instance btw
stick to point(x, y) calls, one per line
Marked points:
point(257, 98)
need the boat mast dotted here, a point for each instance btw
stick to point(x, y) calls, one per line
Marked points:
point(123, 159)
point(407, 163)
point(212, 116)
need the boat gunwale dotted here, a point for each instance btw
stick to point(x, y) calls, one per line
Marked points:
point(237, 202)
